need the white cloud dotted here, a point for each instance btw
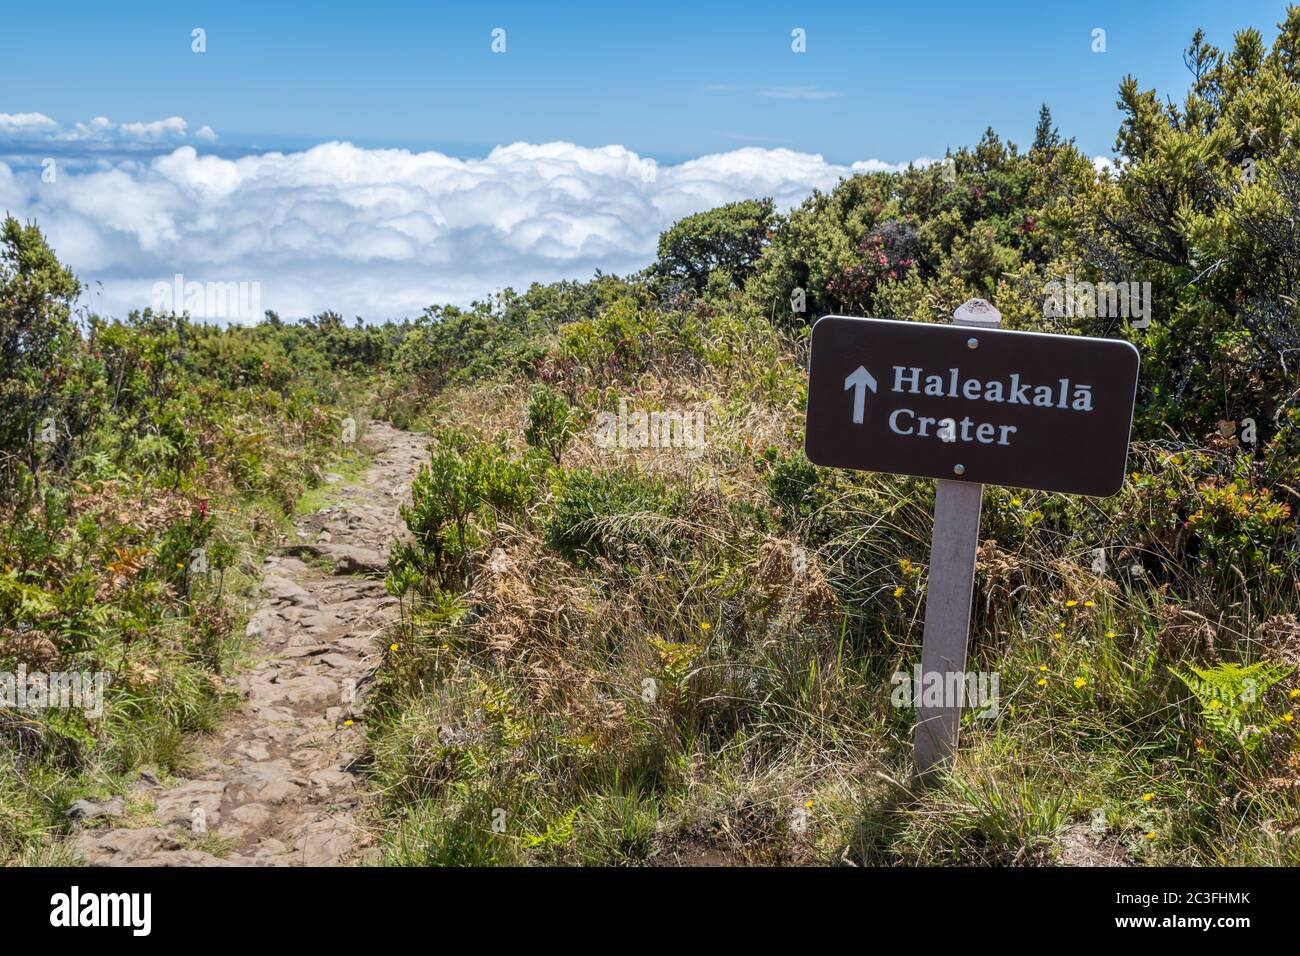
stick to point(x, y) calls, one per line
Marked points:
point(173, 127)
point(1105, 165)
point(100, 129)
point(383, 232)
point(38, 128)
point(19, 124)
point(879, 166)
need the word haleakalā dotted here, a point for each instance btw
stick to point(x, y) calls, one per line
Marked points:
point(913, 381)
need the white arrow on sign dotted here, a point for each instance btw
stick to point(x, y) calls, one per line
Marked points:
point(859, 381)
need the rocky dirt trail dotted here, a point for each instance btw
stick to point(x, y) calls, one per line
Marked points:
point(273, 787)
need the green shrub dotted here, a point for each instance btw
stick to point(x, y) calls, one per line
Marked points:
point(552, 423)
point(464, 490)
point(608, 514)
point(792, 484)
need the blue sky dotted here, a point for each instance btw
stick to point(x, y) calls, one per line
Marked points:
point(669, 80)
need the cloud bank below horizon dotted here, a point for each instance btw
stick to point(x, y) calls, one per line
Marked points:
point(380, 233)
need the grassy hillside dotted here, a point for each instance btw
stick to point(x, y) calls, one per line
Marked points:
point(645, 654)
point(636, 639)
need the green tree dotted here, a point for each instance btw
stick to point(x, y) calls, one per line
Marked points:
point(1206, 207)
point(37, 342)
point(1046, 136)
point(729, 238)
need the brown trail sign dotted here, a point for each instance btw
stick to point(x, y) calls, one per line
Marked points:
point(1025, 409)
point(968, 404)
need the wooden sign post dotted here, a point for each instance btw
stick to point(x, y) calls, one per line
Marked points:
point(953, 543)
point(967, 404)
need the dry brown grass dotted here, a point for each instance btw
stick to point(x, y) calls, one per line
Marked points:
point(537, 627)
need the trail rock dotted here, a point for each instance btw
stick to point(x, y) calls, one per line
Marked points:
point(176, 806)
point(281, 589)
point(326, 843)
point(245, 819)
point(348, 558)
point(93, 810)
point(182, 858)
point(122, 847)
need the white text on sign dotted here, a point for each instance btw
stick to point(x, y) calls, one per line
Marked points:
point(913, 380)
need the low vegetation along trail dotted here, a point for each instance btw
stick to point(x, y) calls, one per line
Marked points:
point(274, 786)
